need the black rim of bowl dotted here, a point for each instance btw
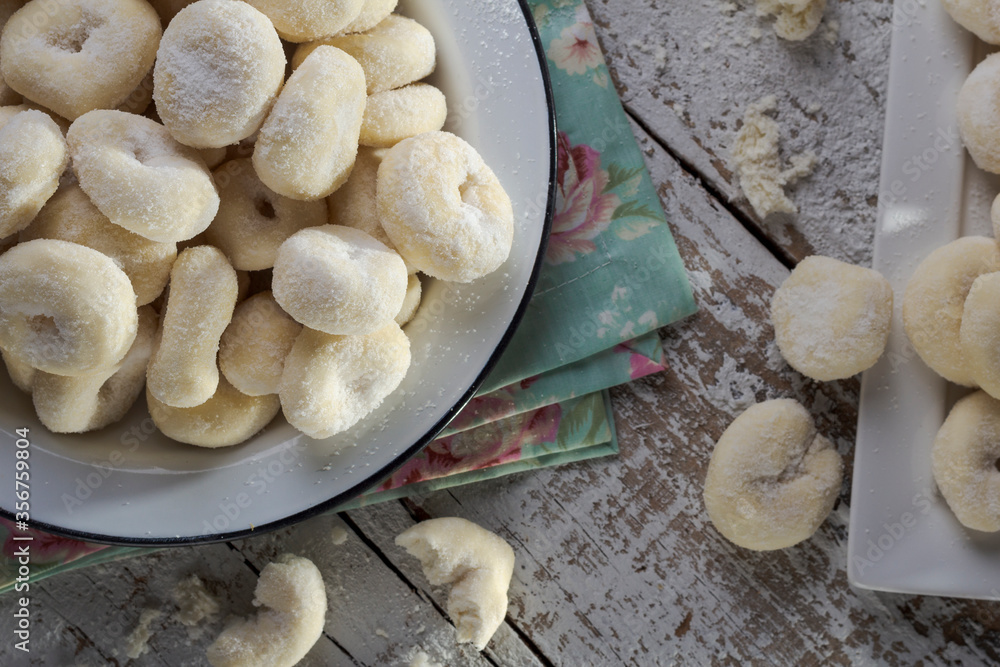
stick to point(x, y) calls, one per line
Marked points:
point(385, 471)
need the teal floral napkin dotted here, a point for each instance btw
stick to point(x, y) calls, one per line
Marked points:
point(612, 277)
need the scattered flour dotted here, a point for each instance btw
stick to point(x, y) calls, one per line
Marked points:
point(137, 643)
point(194, 603)
point(421, 659)
point(796, 19)
point(755, 153)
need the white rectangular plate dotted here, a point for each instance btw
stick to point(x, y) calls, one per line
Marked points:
point(902, 537)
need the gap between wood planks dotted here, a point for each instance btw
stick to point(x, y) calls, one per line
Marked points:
point(746, 221)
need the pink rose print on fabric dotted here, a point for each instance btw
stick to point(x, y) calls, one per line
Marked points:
point(487, 446)
point(639, 364)
point(583, 209)
point(45, 547)
point(576, 49)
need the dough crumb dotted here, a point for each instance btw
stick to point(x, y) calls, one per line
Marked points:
point(421, 659)
point(381, 633)
point(338, 535)
point(795, 19)
point(194, 603)
point(479, 565)
point(137, 643)
point(831, 31)
point(729, 8)
point(759, 165)
point(293, 598)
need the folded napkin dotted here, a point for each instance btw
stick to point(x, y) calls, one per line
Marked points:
point(612, 277)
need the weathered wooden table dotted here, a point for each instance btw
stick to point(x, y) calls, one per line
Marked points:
point(616, 562)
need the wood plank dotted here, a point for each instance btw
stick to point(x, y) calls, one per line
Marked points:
point(688, 70)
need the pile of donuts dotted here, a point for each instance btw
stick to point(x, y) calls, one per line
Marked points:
point(184, 211)
point(953, 314)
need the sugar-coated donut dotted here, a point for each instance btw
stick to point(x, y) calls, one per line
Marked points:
point(394, 115)
point(772, 479)
point(306, 20)
point(218, 71)
point(306, 147)
point(978, 111)
point(832, 319)
point(213, 157)
point(89, 54)
point(140, 177)
point(980, 333)
point(412, 300)
point(372, 13)
point(33, 156)
point(339, 280)
point(95, 400)
point(8, 95)
point(965, 453)
point(227, 418)
point(64, 308)
point(354, 203)
point(330, 382)
point(254, 346)
point(203, 288)
point(935, 298)
point(394, 53)
point(70, 216)
point(444, 209)
point(8, 112)
point(253, 220)
point(977, 16)
point(21, 374)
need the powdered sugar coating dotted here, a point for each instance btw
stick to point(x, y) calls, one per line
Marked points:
point(980, 332)
point(227, 418)
point(330, 382)
point(255, 344)
point(935, 299)
point(772, 479)
point(140, 177)
point(394, 115)
point(218, 70)
point(981, 17)
point(832, 319)
point(308, 143)
point(291, 592)
point(253, 220)
point(978, 112)
point(394, 53)
point(965, 453)
point(64, 308)
point(92, 401)
point(70, 216)
point(444, 208)
point(33, 156)
point(339, 280)
point(203, 288)
point(372, 13)
point(90, 54)
point(306, 20)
